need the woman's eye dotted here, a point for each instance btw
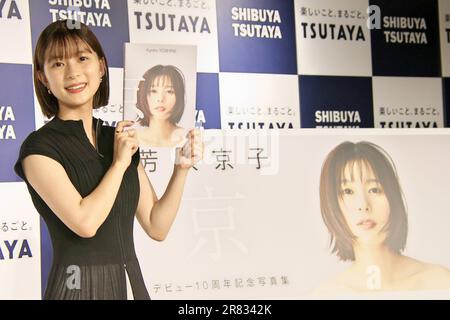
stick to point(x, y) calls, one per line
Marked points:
point(153, 91)
point(57, 64)
point(347, 191)
point(83, 58)
point(375, 190)
point(171, 91)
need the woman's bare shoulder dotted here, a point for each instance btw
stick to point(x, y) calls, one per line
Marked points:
point(332, 287)
point(438, 275)
point(428, 275)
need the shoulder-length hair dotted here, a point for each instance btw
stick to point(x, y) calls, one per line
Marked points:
point(177, 79)
point(61, 39)
point(362, 153)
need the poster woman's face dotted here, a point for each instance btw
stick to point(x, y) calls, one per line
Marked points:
point(363, 203)
point(161, 98)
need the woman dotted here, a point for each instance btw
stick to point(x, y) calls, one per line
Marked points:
point(160, 103)
point(85, 179)
point(363, 208)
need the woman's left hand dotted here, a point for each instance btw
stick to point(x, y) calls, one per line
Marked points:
point(192, 151)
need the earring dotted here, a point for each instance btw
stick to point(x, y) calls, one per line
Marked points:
point(101, 79)
point(49, 92)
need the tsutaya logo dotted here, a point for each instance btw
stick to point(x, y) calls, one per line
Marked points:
point(408, 30)
point(9, 10)
point(352, 29)
point(337, 119)
point(80, 10)
point(15, 249)
point(171, 22)
point(408, 124)
point(7, 130)
point(331, 31)
point(256, 23)
point(260, 125)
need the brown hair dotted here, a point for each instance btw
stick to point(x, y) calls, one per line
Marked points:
point(59, 39)
point(177, 79)
point(369, 154)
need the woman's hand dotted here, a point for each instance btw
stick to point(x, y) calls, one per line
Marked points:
point(192, 151)
point(125, 144)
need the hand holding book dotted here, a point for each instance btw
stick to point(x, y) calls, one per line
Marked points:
point(192, 151)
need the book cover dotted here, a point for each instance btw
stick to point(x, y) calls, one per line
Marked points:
point(160, 91)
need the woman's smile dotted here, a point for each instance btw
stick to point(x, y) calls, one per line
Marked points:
point(76, 88)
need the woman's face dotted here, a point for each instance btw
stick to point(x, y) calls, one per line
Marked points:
point(74, 79)
point(161, 98)
point(363, 203)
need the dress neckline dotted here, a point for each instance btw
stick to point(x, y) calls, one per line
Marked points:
point(76, 127)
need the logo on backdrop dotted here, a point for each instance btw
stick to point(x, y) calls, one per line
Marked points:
point(7, 120)
point(15, 249)
point(332, 38)
point(336, 102)
point(337, 118)
point(265, 27)
point(82, 10)
point(405, 30)
point(408, 112)
point(408, 102)
point(16, 115)
point(254, 112)
point(256, 23)
point(178, 22)
point(107, 18)
point(255, 101)
point(9, 10)
point(161, 21)
point(332, 32)
point(315, 26)
point(410, 40)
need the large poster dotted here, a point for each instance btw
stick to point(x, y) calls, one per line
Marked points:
point(322, 214)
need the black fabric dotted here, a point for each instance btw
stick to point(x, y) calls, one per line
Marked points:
point(104, 258)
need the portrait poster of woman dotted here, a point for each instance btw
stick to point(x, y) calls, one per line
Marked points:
point(160, 91)
point(365, 212)
point(272, 232)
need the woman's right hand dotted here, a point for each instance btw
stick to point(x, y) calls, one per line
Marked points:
point(125, 144)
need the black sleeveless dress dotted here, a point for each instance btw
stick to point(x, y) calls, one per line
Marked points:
point(101, 261)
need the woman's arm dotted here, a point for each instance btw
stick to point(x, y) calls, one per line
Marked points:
point(156, 216)
point(82, 215)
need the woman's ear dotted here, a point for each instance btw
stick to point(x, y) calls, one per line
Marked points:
point(102, 67)
point(42, 78)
